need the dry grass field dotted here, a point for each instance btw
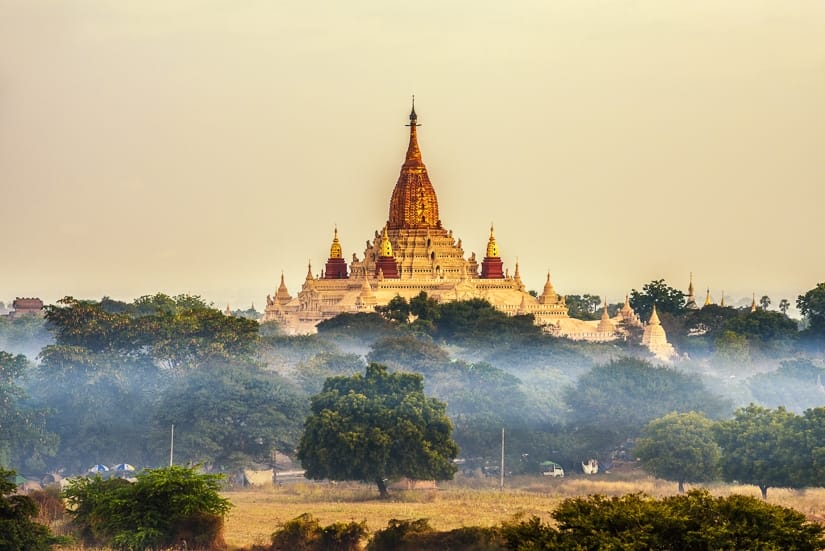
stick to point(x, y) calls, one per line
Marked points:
point(463, 502)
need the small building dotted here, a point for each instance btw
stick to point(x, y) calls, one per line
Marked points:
point(26, 307)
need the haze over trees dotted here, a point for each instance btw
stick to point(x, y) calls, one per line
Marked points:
point(112, 377)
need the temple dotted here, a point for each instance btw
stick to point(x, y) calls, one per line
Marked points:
point(413, 252)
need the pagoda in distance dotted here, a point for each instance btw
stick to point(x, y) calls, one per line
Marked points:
point(413, 252)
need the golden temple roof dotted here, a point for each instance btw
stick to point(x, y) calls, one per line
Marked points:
point(335, 250)
point(386, 246)
point(492, 247)
point(413, 204)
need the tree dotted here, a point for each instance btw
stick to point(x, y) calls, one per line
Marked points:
point(765, 302)
point(765, 330)
point(583, 306)
point(793, 385)
point(377, 426)
point(396, 310)
point(24, 440)
point(623, 396)
point(812, 306)
point(415, 354)
point(163, 507)
point(476, 321)
point(17, 529)
point(230, 417)
point(666, 298)
point(760, 447)
point(784, 306)
point(680, 447)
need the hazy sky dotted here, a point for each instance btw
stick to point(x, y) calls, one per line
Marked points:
point(204, 146)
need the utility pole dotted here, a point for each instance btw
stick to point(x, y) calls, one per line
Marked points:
point(501, 469)
point(172, 446)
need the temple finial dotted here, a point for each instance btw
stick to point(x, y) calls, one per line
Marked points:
point(413, 116)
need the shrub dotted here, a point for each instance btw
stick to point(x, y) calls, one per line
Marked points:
point(304, 533)
point(413, 535)
point(18, 530)
point(168, 506)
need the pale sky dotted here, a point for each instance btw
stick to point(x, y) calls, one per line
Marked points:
point(201, 147)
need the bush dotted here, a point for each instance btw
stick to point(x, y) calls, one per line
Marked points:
point(678, 523)
point(164, 507)
point(18, 530)
point(413, 535)
point(304, 533)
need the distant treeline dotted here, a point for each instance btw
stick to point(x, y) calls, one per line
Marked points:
point(104, 381)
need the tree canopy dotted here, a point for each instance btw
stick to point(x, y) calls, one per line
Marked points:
point(624, 395)
point(761, 446)
point(230, 417)
point(812, 306)
point(377, 426)
point(680, 447)
point(666, 298)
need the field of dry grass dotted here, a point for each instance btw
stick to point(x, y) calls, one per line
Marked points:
point(463, 502)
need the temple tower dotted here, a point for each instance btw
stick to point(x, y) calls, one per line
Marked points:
point(690, 303)
point(336, 267)
point(386, 265)
point(605, 325)
point(491, 266)
point(655, 338)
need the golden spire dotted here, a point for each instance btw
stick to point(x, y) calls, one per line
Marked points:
point(413, 203)
point(282, 286)
point(335, 250)
point(309, 272)
point(605, 315)
point(753, 303)
point(707, 298)
point(690, 287)
point(654, 317)
point(413, 158)
point(492, 248)
point(722, 302)
point(386, 246)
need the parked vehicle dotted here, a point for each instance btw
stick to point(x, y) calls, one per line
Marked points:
point(551, 468)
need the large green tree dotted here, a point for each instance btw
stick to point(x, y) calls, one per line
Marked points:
point(666, 298)
point(377, 426)
point(761, 446)
point(680, 447)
